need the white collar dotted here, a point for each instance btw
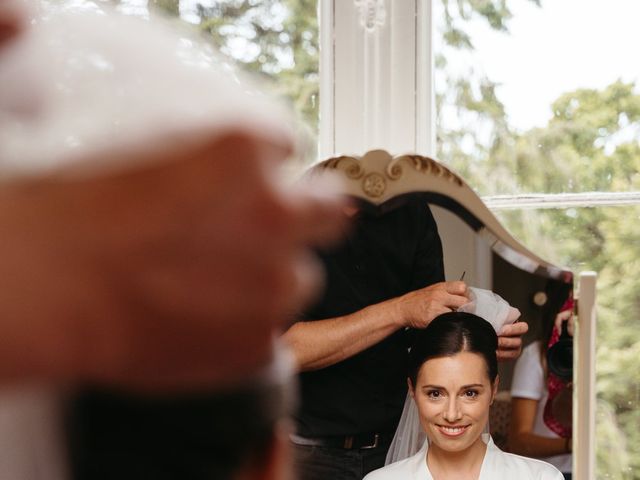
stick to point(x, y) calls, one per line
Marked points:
point(420, 469)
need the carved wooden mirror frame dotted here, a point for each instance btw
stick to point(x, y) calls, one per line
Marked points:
point(377, 177)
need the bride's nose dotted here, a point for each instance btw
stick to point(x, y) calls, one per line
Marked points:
point(452, 409)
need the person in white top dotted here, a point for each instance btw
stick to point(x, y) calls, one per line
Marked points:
point(529, 435)
point(453, 380)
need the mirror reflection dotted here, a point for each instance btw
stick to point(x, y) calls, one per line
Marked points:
point(420, 240)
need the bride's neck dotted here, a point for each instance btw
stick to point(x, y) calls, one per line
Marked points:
point(463, 465)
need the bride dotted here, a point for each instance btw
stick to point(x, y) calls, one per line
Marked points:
point(453, 378)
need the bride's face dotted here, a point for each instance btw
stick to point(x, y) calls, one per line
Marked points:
point(453, 396)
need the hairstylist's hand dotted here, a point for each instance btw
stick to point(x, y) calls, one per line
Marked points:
point(171, 275)
point(510, 341)
point(421, 306)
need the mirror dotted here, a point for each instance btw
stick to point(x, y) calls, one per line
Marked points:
point(477, 246)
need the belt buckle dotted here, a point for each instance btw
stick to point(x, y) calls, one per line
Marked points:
point(376, 437)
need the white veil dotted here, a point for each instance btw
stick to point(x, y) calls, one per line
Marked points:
point(409, 437)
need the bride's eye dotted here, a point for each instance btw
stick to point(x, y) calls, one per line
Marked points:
point(470, 394)
point(434, 394)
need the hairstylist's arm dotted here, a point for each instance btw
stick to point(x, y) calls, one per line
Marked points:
point(321, 343)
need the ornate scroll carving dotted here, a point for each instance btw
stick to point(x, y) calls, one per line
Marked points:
point(374, 175)
point(422, 164)
point(350, 165)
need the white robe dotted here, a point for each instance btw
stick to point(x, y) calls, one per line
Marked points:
point(497, 465)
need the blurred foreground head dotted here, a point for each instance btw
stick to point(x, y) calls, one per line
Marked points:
point(227, 435)
point(141, 205)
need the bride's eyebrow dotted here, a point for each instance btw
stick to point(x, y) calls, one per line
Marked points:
point(473, 385)
point(463, 387)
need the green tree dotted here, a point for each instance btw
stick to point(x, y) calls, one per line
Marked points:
point(279, 40)
point(591, 143)
point(471, 119)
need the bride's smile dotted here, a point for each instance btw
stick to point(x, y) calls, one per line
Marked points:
point(452, 431)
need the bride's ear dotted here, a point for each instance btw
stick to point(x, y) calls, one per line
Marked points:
point(494, 388)
point(410, 385)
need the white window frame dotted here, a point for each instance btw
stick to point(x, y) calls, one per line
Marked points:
point(376, 91)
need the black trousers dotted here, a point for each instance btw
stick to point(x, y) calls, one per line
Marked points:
point(328, 463)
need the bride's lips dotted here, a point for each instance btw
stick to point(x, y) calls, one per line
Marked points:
point(452, 431)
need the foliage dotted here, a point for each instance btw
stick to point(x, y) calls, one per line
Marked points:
point(277, 39)
point(589, 145)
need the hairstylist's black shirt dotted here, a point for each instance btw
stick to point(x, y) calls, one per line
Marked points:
point(386, 255)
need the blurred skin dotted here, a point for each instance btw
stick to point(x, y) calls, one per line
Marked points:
point(453, 395)
point(168, 276)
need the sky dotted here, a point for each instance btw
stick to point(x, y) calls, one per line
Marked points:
point(564, 45)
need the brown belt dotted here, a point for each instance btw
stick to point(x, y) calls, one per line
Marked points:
point(361, 441)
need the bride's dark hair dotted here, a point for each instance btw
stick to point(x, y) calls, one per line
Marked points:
point(452, 333)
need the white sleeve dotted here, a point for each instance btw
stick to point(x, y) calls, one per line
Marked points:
point(379, 474)
point(551, 473)
point(528, 376)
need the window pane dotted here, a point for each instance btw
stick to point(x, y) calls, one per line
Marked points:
point(606, 240)
point(275, 39)
point(539, 98)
